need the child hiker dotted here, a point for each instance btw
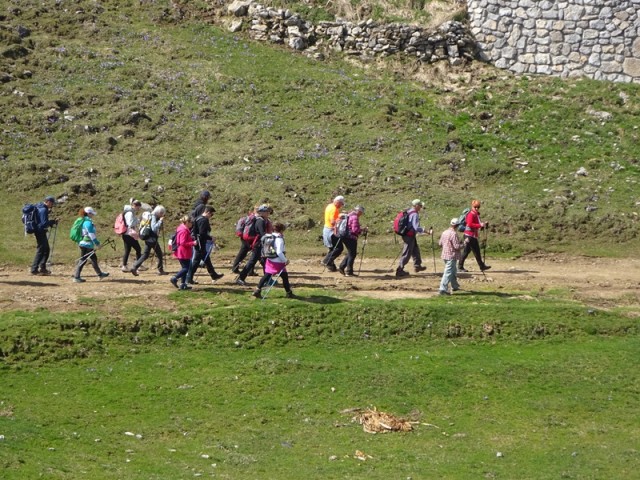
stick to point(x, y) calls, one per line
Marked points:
point(276, 263)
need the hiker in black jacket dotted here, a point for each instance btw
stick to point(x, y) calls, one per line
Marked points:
point(42, 224)
point(204, 245)
point(261, 225)
point(198, 207)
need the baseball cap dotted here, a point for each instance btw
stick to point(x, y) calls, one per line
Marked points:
point(454, 222)
point(417, 202)
point(264, 208)
point(90, 211)
point(50, 198)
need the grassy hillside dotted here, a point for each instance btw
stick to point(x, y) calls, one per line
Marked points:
point(102, 102)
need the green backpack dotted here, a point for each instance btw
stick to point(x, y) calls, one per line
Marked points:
point(76, 230)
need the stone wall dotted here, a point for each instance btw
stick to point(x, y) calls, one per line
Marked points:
point(367, 39)
point(599, 39)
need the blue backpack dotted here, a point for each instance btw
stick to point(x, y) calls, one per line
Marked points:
point(29, 218)
point(462, 220)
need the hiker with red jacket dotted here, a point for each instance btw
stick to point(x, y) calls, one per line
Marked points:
point(351, 241)
point(261, 225)
point(471, 243)
point(184, 252)
point(40, 228)
point(411, 250)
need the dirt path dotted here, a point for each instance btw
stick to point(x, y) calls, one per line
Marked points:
point(602, 283)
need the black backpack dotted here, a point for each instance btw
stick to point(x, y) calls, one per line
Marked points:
point(173, 242)
point(29, 218)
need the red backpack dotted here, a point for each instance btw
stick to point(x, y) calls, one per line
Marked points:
point(249, 229)
point(401, 224)
point(120, 226)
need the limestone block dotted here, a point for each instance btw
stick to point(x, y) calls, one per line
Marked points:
point(631, 67)
point(574, 12)
point(611, 67)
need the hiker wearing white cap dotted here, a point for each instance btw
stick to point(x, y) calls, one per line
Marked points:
point(89, 244)
point(331, 215)
point(41, 225)
point(411, 250)
point(451, 247)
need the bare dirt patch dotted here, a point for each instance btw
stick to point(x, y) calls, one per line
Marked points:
point(599, 282)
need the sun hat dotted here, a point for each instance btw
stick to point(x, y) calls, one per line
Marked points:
point(417, 202)
point(455, 222)
point(90, 211)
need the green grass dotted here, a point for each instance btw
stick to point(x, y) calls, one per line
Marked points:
point(254, 123)
point(552, 409)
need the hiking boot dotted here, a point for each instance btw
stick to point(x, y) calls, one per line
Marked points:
point(124, 268)
point(174, 282)
point(236, 270)
point(485, 267)
point(192, 282)
point(401, 273)
point(35, 272)
point(444, 292)
point(134, 272)
point(350, 274)
point(290, 294)
point(142, 268)
point(341, 270)
point(184, 286)
point(78, 280)
point(217, 276)
point(419, 268)
point(257, 293)
point(253, 273)
point(162, 272)
point(332, 268)
point(103, 274)
point(241, 282)
point(462, 269)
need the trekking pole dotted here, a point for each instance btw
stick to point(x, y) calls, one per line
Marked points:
point(433, 250)
point(272, 281)
point(396, 259)
point(331, 251)
point(484, 245)
point(53, 244)
point(364, 244)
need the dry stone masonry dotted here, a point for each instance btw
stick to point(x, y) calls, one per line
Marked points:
point(592, 38)
point(568, 38)
point(451, 41)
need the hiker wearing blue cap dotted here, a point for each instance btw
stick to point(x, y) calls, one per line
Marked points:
point(41, 226)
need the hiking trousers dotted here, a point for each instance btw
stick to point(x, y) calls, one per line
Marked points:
point(471, 246)
point(42, 251)
point(87, 255)
point(449, 276)
point(129, 244)
point(409, 251)
point(337, 246)
point(351, 244)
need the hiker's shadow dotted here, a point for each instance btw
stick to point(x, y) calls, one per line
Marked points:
point(29, 283)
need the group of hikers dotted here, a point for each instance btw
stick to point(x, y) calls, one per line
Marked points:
point(261, 242)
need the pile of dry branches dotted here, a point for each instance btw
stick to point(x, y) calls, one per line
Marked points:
point(373, 421)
